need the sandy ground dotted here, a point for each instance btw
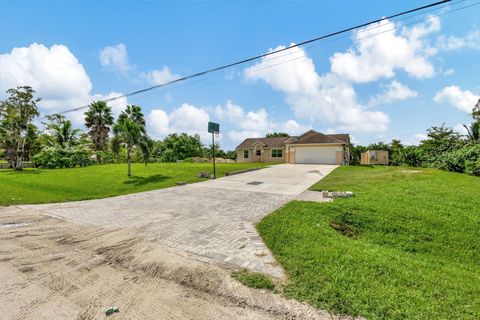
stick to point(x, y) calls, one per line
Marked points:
point(54, 269)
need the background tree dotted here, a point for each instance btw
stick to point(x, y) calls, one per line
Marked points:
point(16, 115)
point(61, 134)
point(181, 146)
point(476, 111)
point(130, 132)
point(277, 134)
point(473, 131)
point(99, 119)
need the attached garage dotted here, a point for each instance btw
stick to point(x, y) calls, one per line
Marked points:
point(320, 155)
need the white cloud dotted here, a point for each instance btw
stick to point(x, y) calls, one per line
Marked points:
point(160, 76)
point(58, 78)
point(116, 57)
point(394, 91)
point(327, 98)
point(285, 72)
point(240, 135)
point(253, 124)
point(461, 99)
point(469, 41)
point(379, 50)
point(249, 124)
point(419, 137)
point(460, 129)
point(449, 72)
point(293, 128)
point(55, 73)
point(186, 118)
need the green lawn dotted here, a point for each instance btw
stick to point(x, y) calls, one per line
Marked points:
point(407, 246)
point(100, 181)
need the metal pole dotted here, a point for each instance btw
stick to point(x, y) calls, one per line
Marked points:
point(213, 155)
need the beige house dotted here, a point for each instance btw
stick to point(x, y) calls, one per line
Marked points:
point(374, 157)
point(310, 147)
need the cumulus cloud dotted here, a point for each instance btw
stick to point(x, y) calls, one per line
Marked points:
point(327, 98)
point(160, 76)
point(461, 99)
point(116, 58)
point(57, 76)
point(460, 129)
point(253, 124)
point(394, 91)
point(186, 118)
point(376, 57)
point(55, 73)
point(419, 137)
point(469, 41)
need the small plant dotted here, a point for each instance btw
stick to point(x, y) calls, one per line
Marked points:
point(253, 279)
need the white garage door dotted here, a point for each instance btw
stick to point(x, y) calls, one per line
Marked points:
point(322, 155)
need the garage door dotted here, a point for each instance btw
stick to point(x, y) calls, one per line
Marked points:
point(322, 155)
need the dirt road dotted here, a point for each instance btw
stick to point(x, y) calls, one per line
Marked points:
point(54, 269)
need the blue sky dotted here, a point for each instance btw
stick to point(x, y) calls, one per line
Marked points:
point(390, 80)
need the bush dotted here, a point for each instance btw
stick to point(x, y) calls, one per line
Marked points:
point(409, 156)
point(466, 160)
point(106, 157)
point(56, 157)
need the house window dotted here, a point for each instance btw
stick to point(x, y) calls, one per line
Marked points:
point(277, 153)
point(245, 154)
point(258, 152)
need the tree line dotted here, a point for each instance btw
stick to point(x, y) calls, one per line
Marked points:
point(60, 145)
point(125, 140)
point(444, 148)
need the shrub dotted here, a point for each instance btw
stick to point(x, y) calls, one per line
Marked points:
point(106, 157)
point(56, 157)
point(466, 159)
point(409, 156)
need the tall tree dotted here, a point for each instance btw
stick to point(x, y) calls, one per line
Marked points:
point(181, 146)
point(99, 119)
point(130, 132)
point(16, 115)
point(60, 132)
point(473, 131)
point(277, 134)
point(476, 111)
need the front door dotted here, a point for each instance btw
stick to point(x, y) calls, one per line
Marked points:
point(257, 154)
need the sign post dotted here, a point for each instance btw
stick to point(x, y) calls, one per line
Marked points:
point(213, 128)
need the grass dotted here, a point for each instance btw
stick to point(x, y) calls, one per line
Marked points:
point(100, 181)
point(253, 279)
point(407, 246)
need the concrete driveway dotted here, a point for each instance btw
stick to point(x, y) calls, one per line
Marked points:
point(212, 220)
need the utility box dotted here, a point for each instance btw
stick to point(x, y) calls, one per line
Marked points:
point(374, 157)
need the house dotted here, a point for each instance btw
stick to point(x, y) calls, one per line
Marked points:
point(310, 147)
point(374, 157)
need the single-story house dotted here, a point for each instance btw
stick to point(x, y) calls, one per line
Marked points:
point(374, 157)
point(310, 147)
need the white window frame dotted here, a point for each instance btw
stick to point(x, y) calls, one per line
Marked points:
point(244, 154)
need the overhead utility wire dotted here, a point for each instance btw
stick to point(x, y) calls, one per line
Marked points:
point(316, 45)
point(198, 74)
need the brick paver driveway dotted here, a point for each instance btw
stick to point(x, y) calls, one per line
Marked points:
point(212, 220)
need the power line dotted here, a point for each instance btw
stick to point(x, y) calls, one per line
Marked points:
point(302, 43)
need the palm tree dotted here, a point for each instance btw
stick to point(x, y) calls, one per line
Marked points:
point(63, 134)
point(98, 119)
point(130, 132)
point(473, 131)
